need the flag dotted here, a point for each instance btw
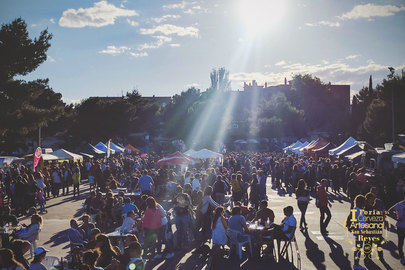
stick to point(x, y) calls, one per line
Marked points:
point(108, 148)
point(37, 156)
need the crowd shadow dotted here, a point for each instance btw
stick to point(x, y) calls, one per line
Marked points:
point(313, 253)
point(68, 198)
point(392, 248)
point(339, 197)
point(58, 238)
point(340, 258)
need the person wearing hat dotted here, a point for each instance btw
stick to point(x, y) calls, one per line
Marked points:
point(39, 256)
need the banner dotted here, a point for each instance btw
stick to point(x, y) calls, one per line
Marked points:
point(37, 156)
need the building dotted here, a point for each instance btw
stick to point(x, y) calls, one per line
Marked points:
point(341, 93)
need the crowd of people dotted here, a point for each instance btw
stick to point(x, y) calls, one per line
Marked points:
point(156, 211)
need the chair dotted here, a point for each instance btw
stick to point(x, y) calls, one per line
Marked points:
point(234, 237)
point(50, 261)
point(287, 244)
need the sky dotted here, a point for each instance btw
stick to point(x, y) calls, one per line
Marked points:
point(109, 47)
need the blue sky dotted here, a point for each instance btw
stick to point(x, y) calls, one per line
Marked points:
point(103, 48)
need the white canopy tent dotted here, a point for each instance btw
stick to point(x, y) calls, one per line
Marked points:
point(64, 154)
point(207, 154)
point(7, 160)
point(190, 152)
point(399, 158)
point(48, 157)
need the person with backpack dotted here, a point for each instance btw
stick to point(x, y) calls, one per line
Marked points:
point(219, 190)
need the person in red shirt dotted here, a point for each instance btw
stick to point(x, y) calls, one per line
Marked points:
point(323, 204)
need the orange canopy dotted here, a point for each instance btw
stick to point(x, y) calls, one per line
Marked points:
point(133, 149)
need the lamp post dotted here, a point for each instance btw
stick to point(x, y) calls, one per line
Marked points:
point(393, 116)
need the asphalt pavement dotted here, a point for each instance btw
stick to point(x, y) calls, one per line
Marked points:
point(316, 251)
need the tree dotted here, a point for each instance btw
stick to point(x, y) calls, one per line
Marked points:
point(24, 105)
point(378, 120)
point(315, 99)
point(220, 80)
point(21, 55)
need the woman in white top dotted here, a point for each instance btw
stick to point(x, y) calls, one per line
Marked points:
point(219, 227)
point(31, 233)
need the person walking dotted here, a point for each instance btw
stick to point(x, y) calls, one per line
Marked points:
point(302, 194)
point(76, 180)
point(322, 204)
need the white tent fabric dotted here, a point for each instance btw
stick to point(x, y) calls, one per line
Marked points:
point(355, 155)
point(206, 154)
point(116, 148)
point(47, 157)
point(7, 159)
point(288, 147)
point(309, 145)
point(348, 143)
point(190, 152)
point(296, 150)
point(101, 146)
point(296, 144)
point(64, 154)
point(399, 158)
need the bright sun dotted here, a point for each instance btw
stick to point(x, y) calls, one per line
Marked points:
point(258, 16)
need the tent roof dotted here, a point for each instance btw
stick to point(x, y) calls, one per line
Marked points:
point(64, 154)
point(350, 150)
point(176, 158)
point(327, 147)
point(297, 143)
point(205, 154)
point(8, 160)
point(348, 143)
point(190, 152)
point(310, 144)
point(116, 148)
point(101, 146)
point(297, 149)
point(90, 149)
point(319, 144)
point(355, 155)
point(86, 155)
point(400, 158)
point(133, 149)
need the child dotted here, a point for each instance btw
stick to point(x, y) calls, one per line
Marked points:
point(134, 254)
point(41, 199)
point(169, 243)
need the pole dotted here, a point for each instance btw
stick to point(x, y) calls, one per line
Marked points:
point(39, 137)
point(393, 117)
